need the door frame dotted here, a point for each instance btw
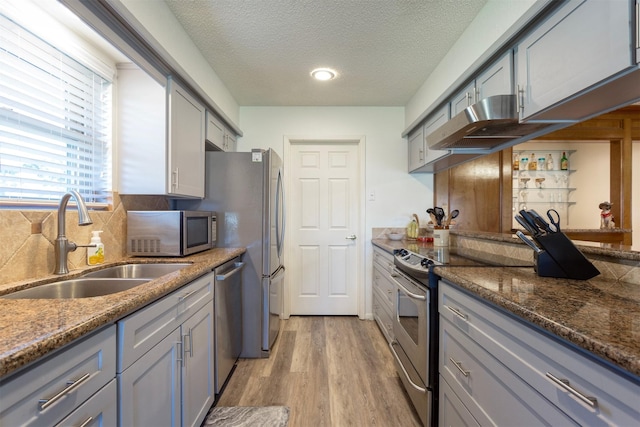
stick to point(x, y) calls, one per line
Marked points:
point(360, 228)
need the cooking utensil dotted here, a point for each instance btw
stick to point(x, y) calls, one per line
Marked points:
point(540, 222)
point(432, 215)
point(439, 212)
point(454, 214)
point(554, 217)
point(525, 225)
point(534, 227)
point(522, 237)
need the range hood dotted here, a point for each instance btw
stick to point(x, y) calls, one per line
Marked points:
point(490, 123)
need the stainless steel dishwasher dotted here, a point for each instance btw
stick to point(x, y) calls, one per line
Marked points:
point(228, 315)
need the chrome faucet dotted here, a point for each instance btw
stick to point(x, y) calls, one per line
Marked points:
point(62, 245)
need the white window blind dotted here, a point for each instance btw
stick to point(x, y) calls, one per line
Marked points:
point(55, 122)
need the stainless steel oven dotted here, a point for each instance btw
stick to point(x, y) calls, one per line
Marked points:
point(411, 347)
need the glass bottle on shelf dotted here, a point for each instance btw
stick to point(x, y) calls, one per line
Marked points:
point(541, 163)
point(516, 162)
point(533, 165)
point(549, 162)
point(564, 162)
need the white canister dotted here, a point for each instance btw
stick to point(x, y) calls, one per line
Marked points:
point(441, 237)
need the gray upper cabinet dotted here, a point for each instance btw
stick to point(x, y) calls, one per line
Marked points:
point(463, 99)
point(576, 49)
point(161, 135)
point(495, 80)
point(420, 156)
point(416, 149)
point(218, 136)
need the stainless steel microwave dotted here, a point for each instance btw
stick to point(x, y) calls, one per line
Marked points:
point(170, 233)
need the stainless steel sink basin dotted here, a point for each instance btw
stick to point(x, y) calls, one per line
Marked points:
point(77, 288)
point(137, 271)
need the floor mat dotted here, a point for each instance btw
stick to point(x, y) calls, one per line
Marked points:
point(245, 416)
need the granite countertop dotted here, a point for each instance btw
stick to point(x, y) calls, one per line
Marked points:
point(31, 328)
point(598, 315)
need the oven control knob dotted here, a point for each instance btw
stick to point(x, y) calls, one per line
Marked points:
point(426, 262)
point(403, 252)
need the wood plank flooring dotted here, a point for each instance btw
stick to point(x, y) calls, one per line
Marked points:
point(330, 371)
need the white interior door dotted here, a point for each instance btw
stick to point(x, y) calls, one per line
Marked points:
point(325, 210)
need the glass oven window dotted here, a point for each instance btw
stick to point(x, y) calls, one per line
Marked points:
point(408, 315)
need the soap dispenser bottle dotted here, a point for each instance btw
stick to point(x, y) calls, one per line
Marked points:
point(95, 254)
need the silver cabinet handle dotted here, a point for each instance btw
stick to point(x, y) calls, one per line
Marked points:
point(566, 385)
point(459, 366)
point(457, 312)
point(180, 357)
point(86, 422)
point(406, 374)
point(71, 386)
point(351, 237)
point(185, 296)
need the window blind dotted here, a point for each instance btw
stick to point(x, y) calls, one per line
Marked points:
point(55, 122)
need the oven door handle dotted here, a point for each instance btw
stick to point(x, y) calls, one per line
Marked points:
point(404, 371)
point(407, 291)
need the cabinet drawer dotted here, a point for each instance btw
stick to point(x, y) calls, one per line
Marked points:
point(383, 259)
point(452, 411)
point(532, 355)
point(101, 410)
point(383, 284)
point(90, 363)
point(493, 394)
point(382, 313)
point(139, 332)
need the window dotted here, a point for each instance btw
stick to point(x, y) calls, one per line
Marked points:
point(55, 122)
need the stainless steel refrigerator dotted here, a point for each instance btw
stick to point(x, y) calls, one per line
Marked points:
point(246, 191)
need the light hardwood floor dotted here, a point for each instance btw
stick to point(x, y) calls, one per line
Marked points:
point(330, 371)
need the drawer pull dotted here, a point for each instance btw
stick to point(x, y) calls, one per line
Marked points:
point(86, 422)
point(185, 296)
point(566, 385)
point(459, 366)
point(71, 386)
point(457, 312)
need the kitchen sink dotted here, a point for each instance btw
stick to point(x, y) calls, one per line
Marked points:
point(77, 288)
point(137, 271)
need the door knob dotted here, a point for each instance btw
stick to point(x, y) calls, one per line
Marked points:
point(352, 237)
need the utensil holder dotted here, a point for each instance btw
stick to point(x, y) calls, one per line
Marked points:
point(560, 258)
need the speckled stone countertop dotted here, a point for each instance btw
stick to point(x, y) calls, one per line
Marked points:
point(599, 316)
point(31, 328)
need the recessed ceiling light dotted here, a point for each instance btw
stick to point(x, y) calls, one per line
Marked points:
point(323, 74)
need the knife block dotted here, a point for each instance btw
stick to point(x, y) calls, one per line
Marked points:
point(560, 258)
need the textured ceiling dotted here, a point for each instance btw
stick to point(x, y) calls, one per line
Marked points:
point(383, 50)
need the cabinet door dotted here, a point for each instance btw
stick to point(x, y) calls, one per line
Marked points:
point(497, 79)
point(452, 412)
point(186, 143)
point(149, 390)
point(231, 143)
point(436, 120)
point(197, 373)
point(416, 149)
point(215, 131)
point(581, 44)
point(463, 99)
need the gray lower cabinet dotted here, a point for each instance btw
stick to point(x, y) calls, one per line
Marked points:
point(383, 292)
point(59, 388)
point(503, 371)
point(165, 374)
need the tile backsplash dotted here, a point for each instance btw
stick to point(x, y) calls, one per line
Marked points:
point(27, 236)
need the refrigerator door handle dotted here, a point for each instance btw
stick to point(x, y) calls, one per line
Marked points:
point(280, 214)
